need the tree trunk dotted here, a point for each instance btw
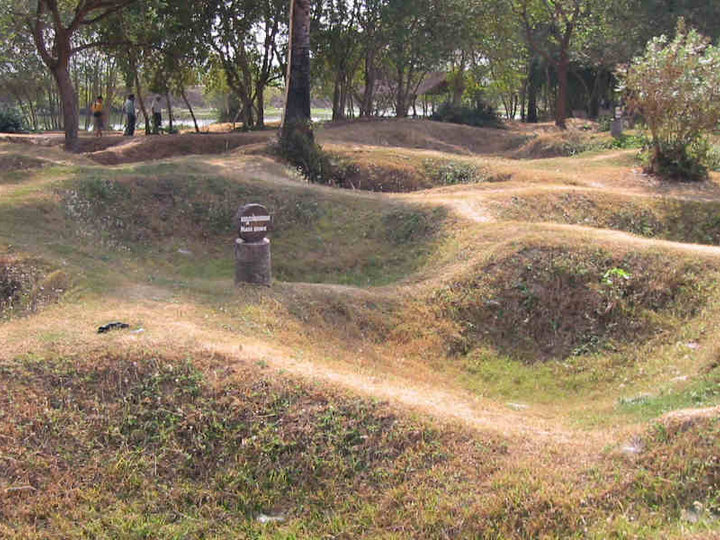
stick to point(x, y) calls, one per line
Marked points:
point(192, 113)
point(138, 90)
point(532, 93)
point(458, 87)
point(297, 102)
point(401, 106)
point(548, 100)
point(260, 107)
point(563, 67)
point(33, 113)
point(170, 112)
point(366, 106)
point(247, 112)
point(338, 106)
point(69, 102)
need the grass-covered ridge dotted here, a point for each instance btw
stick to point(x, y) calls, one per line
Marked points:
point(540, 302)
point(132, 444)
point(387, 171)
point(693, 221)
point(317, 236)
point(138, 443)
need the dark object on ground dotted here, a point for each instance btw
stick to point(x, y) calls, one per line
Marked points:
point(113, 326)
point(480, 116)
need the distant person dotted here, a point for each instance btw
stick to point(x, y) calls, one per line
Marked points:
point(98, 111)
point(157, 115)
point(129, 110)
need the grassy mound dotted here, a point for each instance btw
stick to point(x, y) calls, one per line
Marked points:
point(10, 162)
point(116, 150)
point(28, 284)
point(129, 445)
point(318, 236)
point(423, 134)
point(678, 469)
point(568, 143)
point(551, 302)
point(671, 219)
point(139, 443)
point(394, 172)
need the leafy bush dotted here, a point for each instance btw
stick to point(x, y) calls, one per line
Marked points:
point(10, 120)
point(450, 173)
point(481, 116)
point(675, 85)
point(712, 159)
point(626, 140)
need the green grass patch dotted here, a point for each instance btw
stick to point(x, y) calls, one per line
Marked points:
point(317, 237)
point(701, 391)
point(156, 448)
point(488, 374)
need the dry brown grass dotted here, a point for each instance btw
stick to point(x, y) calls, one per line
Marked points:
point(28, 284)
point(422, 134)
point(547, 470)
point(160, 147)
point(549, 302)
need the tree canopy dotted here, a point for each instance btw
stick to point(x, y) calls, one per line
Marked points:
point(532, 59)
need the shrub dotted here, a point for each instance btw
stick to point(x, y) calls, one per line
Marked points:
point(605, 123)
point(10, 120)
point(675, 85)
point(481, 116)
point(298, 146)
point(713, 158)
point(450, 173)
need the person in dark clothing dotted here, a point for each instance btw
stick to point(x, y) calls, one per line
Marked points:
point(129, 110)
point(157, 115)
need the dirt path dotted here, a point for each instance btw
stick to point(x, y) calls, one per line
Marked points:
point(470, 204)
point(173, 325)
point(447, 403)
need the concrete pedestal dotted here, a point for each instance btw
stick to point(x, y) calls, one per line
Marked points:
point(253, 262)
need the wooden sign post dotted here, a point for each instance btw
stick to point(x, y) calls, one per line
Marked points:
point(252, 248)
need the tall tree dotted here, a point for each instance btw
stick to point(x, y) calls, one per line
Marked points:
point(337, 41)
point(372, 43)
point(298, 83)
point(419, 37)
point(559, 21)
point(243, 37)
point(269, 66)
point(55, 26)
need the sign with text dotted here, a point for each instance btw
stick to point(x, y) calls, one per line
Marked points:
point(254, 222)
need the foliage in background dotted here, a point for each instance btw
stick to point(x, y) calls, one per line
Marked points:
point(481, 115)
point(675, 85)
point(10, 120)
point(371, 57)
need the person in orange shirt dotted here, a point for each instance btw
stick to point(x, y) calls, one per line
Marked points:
point(98, 110)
